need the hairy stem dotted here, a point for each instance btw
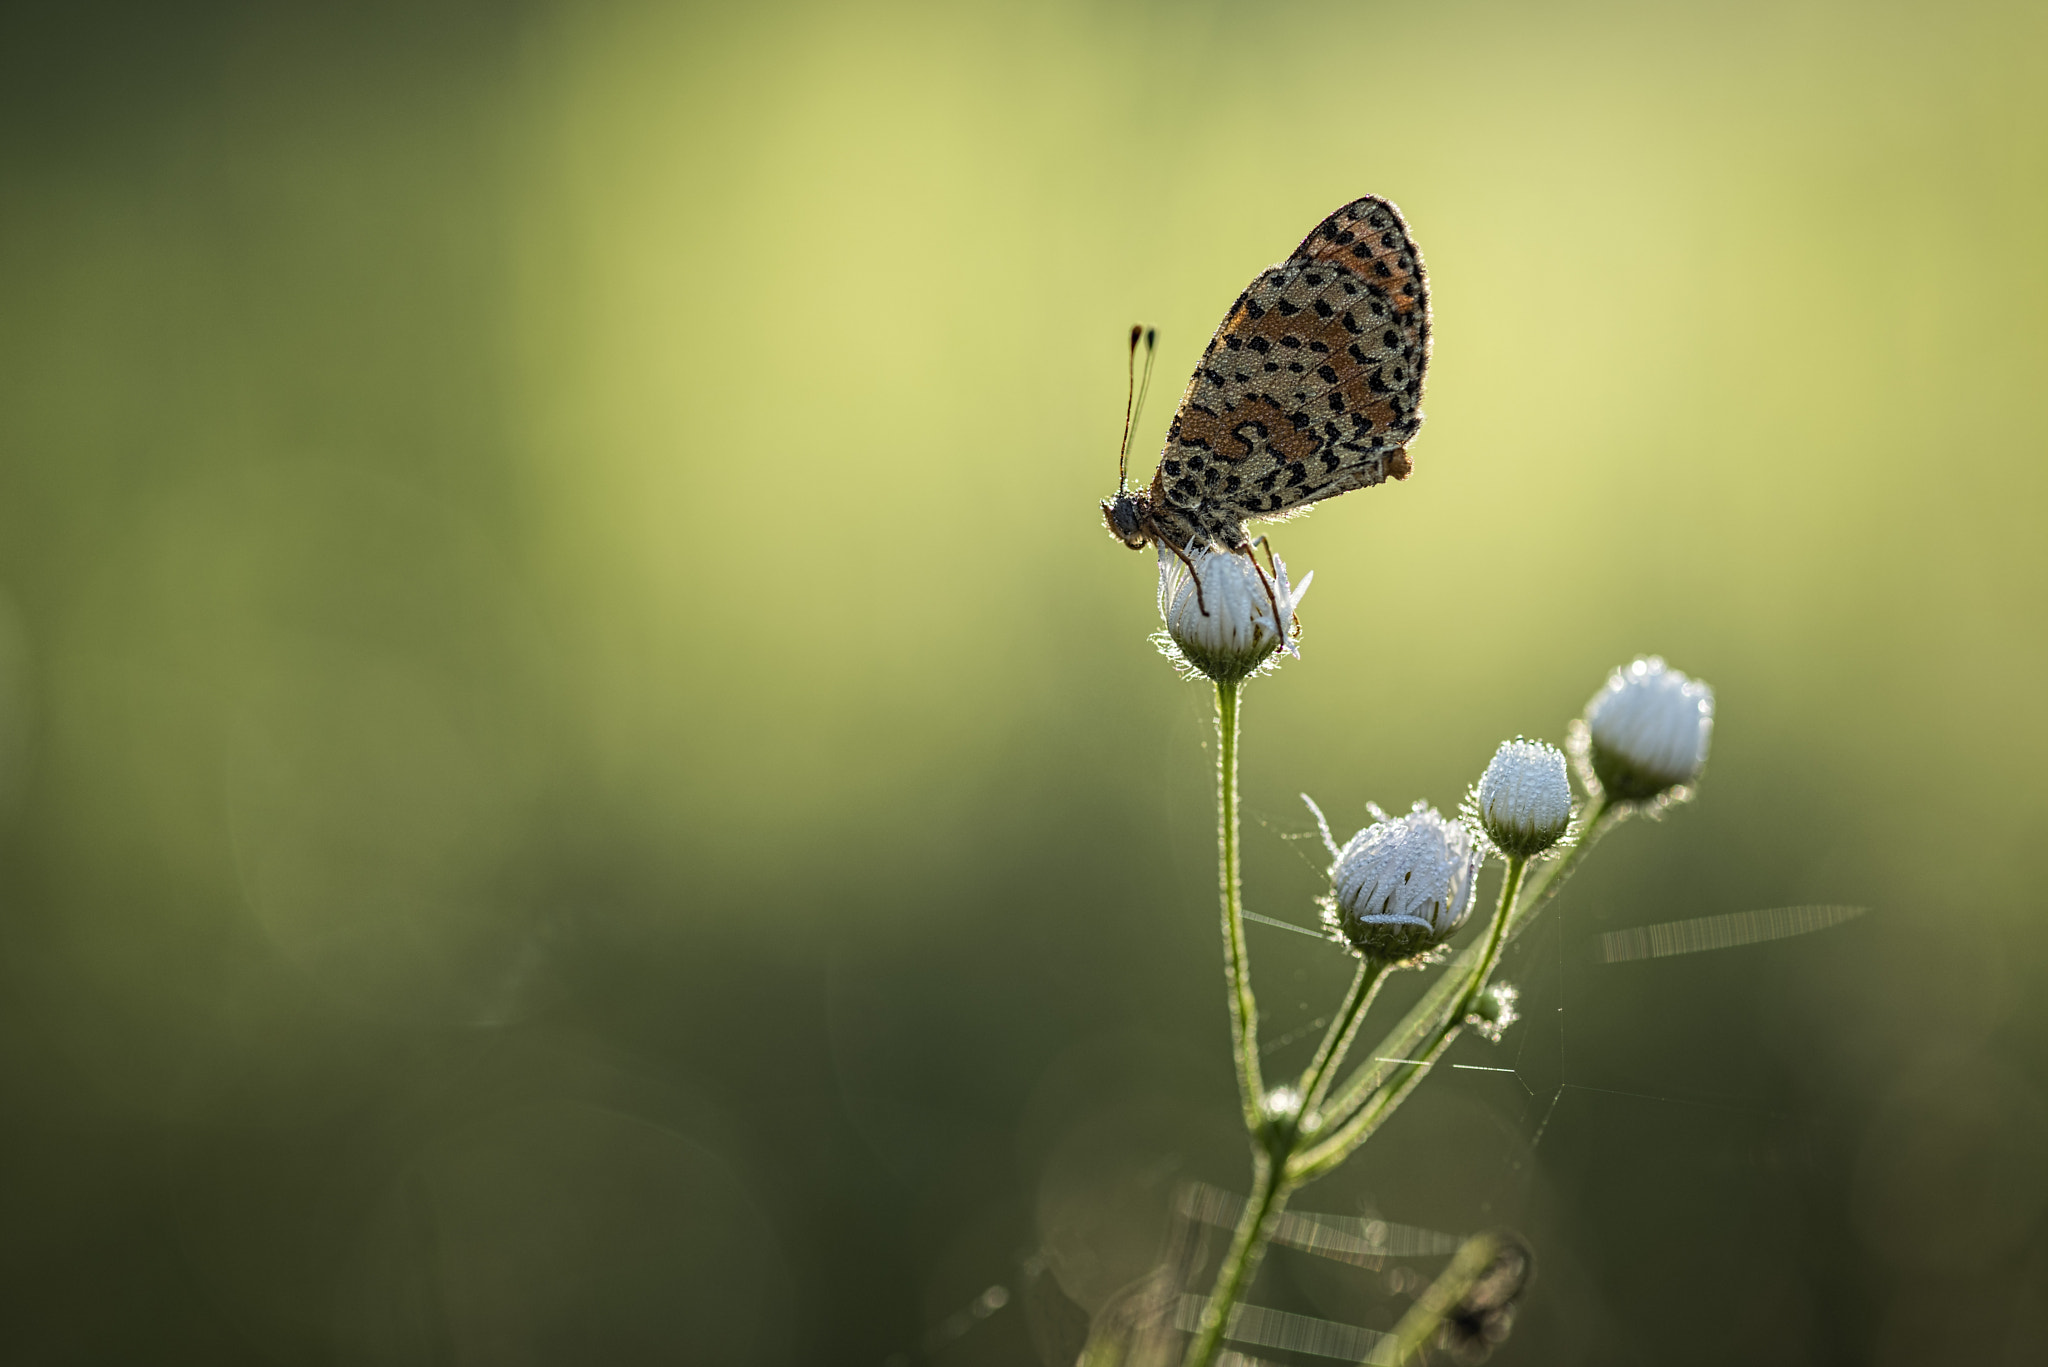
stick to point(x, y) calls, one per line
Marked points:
point(1269, 1177)
point(1316, 1078)
point(1244, 1009)
point(1270, 1190)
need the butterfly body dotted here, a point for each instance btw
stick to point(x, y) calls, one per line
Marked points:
point(1310, 388)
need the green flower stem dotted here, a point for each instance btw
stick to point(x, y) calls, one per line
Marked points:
point(1429, 1014)
point(1271, 1146)
point(1278, 1168)
point(1270, 1190)
point(1316, 1078)
point(1244, 1009)
point(1413, 1334)
point(1600, 818)
point(1328, 1152)
point(1375, 1091)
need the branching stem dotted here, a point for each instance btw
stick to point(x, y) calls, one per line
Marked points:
point(1327, 1153)
point(1290, 1149)
point(1270, 1190)
point(1405, 1039)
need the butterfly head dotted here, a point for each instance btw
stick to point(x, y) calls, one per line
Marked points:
point(1129, 517)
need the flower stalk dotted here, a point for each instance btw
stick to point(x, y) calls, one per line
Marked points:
point(1244, 1008)
point(1270, 1189)
point(1316, 1078)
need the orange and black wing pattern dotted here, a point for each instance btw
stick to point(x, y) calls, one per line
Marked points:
point(1311, 387)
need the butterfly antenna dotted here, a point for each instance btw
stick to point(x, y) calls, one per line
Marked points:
point(1135, 390)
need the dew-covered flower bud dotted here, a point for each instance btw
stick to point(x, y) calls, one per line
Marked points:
point(1495, 1011)
point(1645, 734)
point(1231, 625)
point(1401, 886)
point(1524, 799)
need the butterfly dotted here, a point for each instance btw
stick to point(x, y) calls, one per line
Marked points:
point(1310, 388)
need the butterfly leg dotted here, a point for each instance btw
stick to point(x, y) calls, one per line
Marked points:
point(1192, 574)
point(1251, 548)
point(1251, 551)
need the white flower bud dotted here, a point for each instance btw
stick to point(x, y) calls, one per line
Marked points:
point(1403, 886)
point(1524, 799)
point(1645, 734)
point(1232, 626)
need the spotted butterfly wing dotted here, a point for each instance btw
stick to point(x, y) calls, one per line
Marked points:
point(1310, 388)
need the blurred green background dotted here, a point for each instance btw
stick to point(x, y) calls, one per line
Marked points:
point(582, 784)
